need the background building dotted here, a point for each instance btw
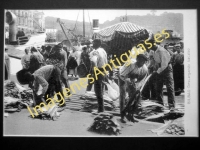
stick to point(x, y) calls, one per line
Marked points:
point(30, 21)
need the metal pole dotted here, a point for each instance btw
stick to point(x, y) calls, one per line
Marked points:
point(83, 24)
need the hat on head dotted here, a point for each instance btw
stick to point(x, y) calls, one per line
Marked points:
point(59, 46)
point(142, 56)
point(33, 49)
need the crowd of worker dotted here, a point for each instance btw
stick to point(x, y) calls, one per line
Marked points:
point(52, 66)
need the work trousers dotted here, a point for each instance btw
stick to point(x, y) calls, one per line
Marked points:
point(89, 86)
point(54, 84)
point(166, 77)
point(64, 78)
point(98, 88)
point(178, 71)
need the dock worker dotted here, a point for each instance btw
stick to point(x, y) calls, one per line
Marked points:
point(164, 73)
point(131, 78)
point(25, 60)
point(47, 76)
point(178, 68)
point(98, 60)
point(58, 58)
point(36, 60)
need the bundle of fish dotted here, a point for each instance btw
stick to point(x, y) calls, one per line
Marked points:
point(148, 108)
point(14, 92)
point(104, 123)
point(11, 89)
point(89, 106)
point(91, 103)
point(50, 114)
point(13, 104)
point(27, 96)
point(92, 97)
point(174, 127)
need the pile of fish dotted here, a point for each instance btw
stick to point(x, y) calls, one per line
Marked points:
point(173, 127)
point(151, 111)
point(91, 103)
point(50, 114)
point(175, 130)
point(16, 97)
point(148, 108)
point(11, 89)
point(111, 98)
point(104, 123)
point(12, 104)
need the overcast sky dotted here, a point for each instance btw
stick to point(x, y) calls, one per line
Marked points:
point(101, 14)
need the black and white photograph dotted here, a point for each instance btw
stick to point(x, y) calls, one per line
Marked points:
point(100, 73)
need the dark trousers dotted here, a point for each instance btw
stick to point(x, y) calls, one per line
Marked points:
point(54, 84)
point(122, 96)
point(89, 86)
point(98, 88)
point(64, 78)
point(166, 77)
point(178, 72)
point(149, 91)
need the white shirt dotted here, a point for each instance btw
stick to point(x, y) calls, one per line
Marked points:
point(77, 55)
point(133, 71)
point(99, 57)
point(7, 35)
point(162, 57)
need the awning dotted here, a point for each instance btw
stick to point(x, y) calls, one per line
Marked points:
point(124, 29)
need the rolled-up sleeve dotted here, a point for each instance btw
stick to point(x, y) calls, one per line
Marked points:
point(39, 80)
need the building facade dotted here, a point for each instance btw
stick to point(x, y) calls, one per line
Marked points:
point(31, 21)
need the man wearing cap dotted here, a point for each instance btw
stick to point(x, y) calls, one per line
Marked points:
point(98, 60)
point(130, 79)
point(178, 68)
point(164, 73)
point(58, 58)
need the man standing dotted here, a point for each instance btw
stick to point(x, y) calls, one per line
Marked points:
point(25, 60)
point(36, 60)
point(164, 74)
point(178, 68)
point(98, 60)
point(58, 58)
point(7, 65)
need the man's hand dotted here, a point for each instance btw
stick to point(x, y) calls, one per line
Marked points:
point(116, 72)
